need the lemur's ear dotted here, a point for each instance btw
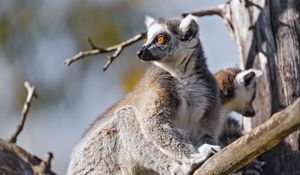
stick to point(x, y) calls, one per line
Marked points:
point(257, 72)
point(188, 27)
point(249, 76)
point(149, 20)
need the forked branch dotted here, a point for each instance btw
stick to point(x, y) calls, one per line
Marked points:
point(247, 148)
point(13, 158)
point(30, 94)
point(117, 49)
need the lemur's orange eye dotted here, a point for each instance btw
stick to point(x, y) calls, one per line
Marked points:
point(161, 39)
point(145, 40)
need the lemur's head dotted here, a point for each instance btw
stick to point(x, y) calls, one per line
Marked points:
point(238, 89)
point(169, 40)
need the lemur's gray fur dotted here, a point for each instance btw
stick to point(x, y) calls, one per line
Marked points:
point(169, 124)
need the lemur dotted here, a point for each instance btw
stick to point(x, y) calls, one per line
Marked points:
point(237, 92)
point(169, 123)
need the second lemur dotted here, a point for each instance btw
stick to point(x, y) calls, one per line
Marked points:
point(237, 91)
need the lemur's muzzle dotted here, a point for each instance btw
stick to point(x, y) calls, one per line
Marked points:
point(249, 113)
point(140, 54)
point(248, 110)
point(145, 55)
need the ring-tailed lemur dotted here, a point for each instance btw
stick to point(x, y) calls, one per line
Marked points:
point(170, 122)
point(237, 92)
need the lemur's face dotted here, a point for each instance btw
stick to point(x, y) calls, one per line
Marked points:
point(167, 40)
point(245, 91)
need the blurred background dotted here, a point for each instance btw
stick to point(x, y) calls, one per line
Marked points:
point(36, 36)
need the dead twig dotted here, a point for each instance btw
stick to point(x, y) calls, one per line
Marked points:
point(219, 10)
point(117, 49)
point(45, 165)
point(46, 162)
point(30, 94)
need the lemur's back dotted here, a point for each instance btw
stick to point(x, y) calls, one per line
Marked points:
point(101, 142)
point(155, 80)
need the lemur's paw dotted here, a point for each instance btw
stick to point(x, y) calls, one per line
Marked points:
point(207, 150)
point(215, 149)
point(196, 159)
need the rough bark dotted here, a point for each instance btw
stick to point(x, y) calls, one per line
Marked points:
point(267, 33)
point(14, 160)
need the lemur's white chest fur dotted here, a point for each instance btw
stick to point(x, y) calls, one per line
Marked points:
point(192, 104)
point(191, 89)
point(192, 93)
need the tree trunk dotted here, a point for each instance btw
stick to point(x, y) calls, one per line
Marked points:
point(267, 33)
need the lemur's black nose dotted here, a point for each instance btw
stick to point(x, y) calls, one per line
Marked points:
point(249, 113)
point(140, 53)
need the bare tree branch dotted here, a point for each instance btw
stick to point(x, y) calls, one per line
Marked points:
point(13, 158)
point(259, 140)
point(219, 10)
point(30, 94)
point(117, 49)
